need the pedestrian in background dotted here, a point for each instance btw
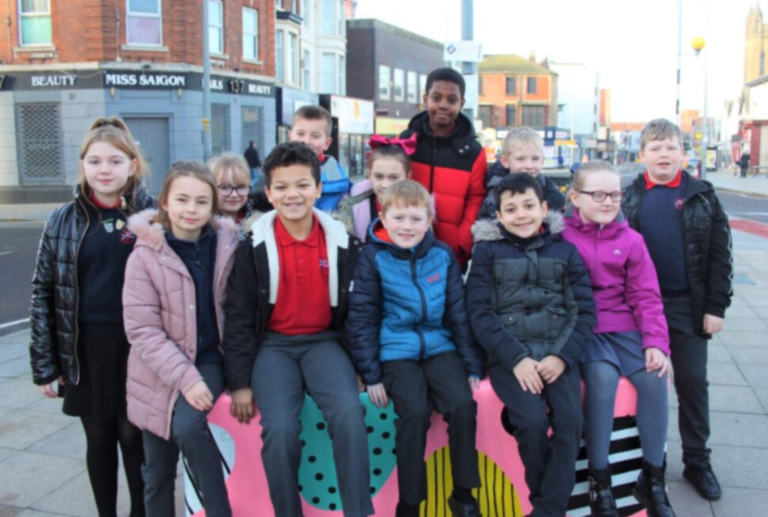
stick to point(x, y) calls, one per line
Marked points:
point(78, 337)
point(254, 162)
point(744, 162)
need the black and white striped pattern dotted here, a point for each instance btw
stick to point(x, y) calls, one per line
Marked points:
point(226, 445)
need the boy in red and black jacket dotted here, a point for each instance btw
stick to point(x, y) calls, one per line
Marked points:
point(449, 162)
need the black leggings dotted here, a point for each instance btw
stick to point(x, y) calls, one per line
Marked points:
point(102, 437)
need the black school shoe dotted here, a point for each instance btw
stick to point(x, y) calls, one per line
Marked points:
point(464, 509)
point(704, 481)
point(651, 491)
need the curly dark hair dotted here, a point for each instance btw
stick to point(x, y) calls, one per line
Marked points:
point(291, 153)
point(517, 183)
point(448, 75)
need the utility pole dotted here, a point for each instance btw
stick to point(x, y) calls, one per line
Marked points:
point(207, 148)
point(468, 34)
point(679, 56)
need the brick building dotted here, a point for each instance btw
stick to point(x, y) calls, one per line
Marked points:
point(515, 91)
point(65, 63)
point(389, 65)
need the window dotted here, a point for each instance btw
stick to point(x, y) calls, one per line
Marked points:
point(215, 27)
point(143, 22)
point(511, 115)
point(328, 16)
point(219, 128)
point(295, 6)
point(306, 67)
point(399, 89)
point(328, 73)
point(250, 34)
point(533, 116)
point(252, 126)
point(413, 85)
point(293, 55)
point(41, 157)
point(35, 22)
point(342, 76)
point(531, 85)
point(342, 19)
point(485, 115)
point(279, 57)
point(385, 77)
point(279, 4)
point(422, 86)
point(512, 86)
point(480, 84)
point(305, 12)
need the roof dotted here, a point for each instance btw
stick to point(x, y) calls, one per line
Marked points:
point(376, 24)
point(511, 64)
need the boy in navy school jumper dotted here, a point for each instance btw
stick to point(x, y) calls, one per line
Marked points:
point(286, 305)
point(689, 240)
point(410, 340)
point(531, 307)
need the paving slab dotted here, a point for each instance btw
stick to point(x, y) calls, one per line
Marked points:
point(726, 374)
point(46, 405)
point(762, 312)
point(755, 374)
point(27, 477)
point(742, 311)
point(745, 324)
point(6, 453)
point(756, 300)
point(735, 399)
point(686, 502)
point(18, 393)
point(9, 511)
point(35, 513)
point(737, 429)
point(20, 429)
point(15, 367)
point(717, 352)
point(13, 351)
point(741, 502)
point(762, 395)
point(741, 467)
point(61, 500)
point(68, 442)
point(738, 338)
point(746, 355)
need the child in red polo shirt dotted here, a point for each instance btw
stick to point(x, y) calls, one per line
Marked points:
point(286, 304)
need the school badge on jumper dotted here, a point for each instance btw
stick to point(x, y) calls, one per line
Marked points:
point(109, 225)
point(119, 224)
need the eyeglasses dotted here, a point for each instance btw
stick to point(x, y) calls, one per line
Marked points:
point(227, 190)
point(598, 196)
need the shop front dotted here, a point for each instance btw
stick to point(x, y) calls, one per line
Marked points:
point(353, 126)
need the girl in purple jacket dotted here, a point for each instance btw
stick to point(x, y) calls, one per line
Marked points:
point(631, 336)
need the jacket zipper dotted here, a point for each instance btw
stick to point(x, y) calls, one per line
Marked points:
point(77, 291)
point(423, 349)
point(432, 169)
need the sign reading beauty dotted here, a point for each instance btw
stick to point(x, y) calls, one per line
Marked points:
point(144, 80)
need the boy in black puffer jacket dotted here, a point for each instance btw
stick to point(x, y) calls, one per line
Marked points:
point(531, 307)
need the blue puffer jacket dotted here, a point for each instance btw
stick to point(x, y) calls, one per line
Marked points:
point(408, 304)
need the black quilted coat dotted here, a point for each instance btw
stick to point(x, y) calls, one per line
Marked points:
point(708, 254)
point(53, 312)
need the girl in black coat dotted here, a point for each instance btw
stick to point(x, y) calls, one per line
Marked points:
point(77, 337)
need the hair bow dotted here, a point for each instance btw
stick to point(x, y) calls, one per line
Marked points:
point(406, 144)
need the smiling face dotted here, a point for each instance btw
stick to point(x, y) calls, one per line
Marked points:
point(443, 103)
point(292, 191)
point(591, 211)
point(521, 214)
point(385, 171)
point(313, 132)
point(233, 192)
point(189, 206)
point(526, 158)
point(662, 159)
point(107, 169)
point(406, 225)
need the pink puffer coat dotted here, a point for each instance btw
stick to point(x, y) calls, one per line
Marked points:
point(161, 320)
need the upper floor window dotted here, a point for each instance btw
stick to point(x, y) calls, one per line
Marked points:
point(399, 88)
point(385, 77)
point(215, 27)
point(250, 34)
point(328, 16)
point(35, 22)
point(532, 85)
point(144, 25)
point(279, 57)
point(512, 86)
point(305, 11)
point(413, 88)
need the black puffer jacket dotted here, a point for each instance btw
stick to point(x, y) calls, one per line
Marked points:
point(53, 311)
point(496, 172)
point(708, 245)
point(529, 297)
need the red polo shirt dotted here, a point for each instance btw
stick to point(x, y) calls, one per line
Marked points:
point(649, 183)
point(303, 303)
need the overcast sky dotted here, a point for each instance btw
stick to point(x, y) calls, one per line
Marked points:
point(632, 44)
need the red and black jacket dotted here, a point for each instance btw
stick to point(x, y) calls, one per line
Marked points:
point(453, 169)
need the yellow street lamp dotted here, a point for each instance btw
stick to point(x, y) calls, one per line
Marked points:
point(698, 43)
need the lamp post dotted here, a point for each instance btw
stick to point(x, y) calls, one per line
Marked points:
point(698, 43)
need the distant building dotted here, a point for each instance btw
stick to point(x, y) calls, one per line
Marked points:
point(755, 45)
point(579, 98)
point(515, 91)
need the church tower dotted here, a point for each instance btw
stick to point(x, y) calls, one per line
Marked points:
point(754, 45)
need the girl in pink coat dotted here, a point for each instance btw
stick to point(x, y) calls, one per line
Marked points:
point(631, 337)
point(175, 284)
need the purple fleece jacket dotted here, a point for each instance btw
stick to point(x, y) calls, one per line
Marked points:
point(624, 281)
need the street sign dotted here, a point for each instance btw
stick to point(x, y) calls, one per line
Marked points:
point(466, 51)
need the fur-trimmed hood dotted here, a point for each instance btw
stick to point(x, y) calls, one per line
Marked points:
point(490, 229)
point(152, 234)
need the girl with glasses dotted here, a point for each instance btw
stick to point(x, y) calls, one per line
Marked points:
point(233, 184)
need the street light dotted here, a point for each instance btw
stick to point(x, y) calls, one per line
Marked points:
point(698, 43)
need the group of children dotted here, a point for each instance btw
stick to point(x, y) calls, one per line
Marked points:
point(272, 305)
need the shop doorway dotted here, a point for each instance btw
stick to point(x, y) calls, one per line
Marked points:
point(152, 136)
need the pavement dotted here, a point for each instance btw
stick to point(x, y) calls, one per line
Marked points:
point(42, 451)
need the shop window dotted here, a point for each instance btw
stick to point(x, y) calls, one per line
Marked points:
point(220, 128)
point(215, 27)
point(512, 86)
point(252, 130)
point(279, 57)
point(293, 53)
point(35, 22)
point(306, 67)
point(422, 87)
point(328, 73)
point(250, 34)
point(533, 116)
point(144, 24)
point(399, 87)
point(485, 115)
point(413, 85)
point(40, 143)
point(532, 86)
point(385, 77)
point(511, 115)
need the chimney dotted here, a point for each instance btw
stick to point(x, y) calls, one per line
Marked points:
point(532, 57)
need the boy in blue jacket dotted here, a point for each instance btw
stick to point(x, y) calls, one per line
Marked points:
point(530, 303)
point(411, 341)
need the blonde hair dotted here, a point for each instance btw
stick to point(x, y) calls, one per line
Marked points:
point(406, 193)
point(220, 165)
point(186, 169)
point(113, 131)
point(659, 129)
point(522, 136)
point(580, 177)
